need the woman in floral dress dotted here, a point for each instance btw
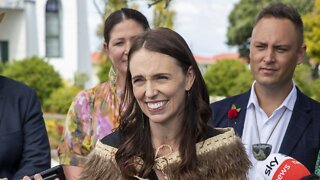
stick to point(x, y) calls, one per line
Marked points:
point(94, 112)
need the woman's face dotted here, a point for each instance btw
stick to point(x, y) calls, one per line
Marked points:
point(121, 39)
point(159, 86)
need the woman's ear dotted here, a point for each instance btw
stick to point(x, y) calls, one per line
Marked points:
point(301, 53)
point(190, 77)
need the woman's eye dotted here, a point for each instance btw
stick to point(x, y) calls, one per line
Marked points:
point(137, 81)
point(118, 43)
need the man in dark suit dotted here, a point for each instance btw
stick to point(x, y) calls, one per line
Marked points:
point(274, 111)
point(24, 145)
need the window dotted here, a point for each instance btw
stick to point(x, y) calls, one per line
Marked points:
point(53, 28)
point(4, 51)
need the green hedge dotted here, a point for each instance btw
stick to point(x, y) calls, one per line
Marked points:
point(61, 99)
point(228, 77)
point(36, 73)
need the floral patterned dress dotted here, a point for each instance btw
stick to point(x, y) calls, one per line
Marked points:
point(92, 115)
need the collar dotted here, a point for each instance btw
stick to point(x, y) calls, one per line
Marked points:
point(288, 102)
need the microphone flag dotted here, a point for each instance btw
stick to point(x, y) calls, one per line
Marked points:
point(280, 167)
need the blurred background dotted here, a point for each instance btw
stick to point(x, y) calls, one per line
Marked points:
point(55, 46)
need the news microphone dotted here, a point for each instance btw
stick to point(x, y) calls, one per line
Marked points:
point(281, 167)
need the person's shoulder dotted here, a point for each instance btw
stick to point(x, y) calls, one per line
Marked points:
point(217, 132)
point(225, 149)
point(97, 91)
point(102, 86)
point(12, 86)
point(314, 104)
point(220, 138)
point(211, 132)
point(114, 139)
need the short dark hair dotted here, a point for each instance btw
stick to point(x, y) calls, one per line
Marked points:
point(283, 11)
point(120, 15)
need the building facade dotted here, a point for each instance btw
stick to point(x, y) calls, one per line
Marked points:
point(56, 30)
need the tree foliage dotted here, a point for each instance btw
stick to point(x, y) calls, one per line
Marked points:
point(163, 17)
point(305, 82)
point(103, 73)
point(227, 78)
point(60, 100)
point(242, 17)
point(303, 78)
point(312, 36)
point(36, 73)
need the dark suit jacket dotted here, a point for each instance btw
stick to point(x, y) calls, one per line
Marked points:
point(302, 137)
point(24, 145)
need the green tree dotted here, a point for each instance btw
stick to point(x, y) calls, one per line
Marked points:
point(80, 79)
point(303, 78)
point(162, 16)
point(110, 6)
point(104, 69)
point(312, 36)
point(227, 78)
point(35, 72)
point(242, 17)
point(60, 100)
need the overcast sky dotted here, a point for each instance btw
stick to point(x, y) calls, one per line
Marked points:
point(202, 23)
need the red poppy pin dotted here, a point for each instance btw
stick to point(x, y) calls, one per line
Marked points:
point(233, 112)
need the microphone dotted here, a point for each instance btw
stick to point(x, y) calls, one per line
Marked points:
point(280, 167)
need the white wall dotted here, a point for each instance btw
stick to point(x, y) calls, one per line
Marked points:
point(67, 64)
point(12, 29)
point(84, 61)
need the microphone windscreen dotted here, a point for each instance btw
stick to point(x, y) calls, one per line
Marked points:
point(280, 167)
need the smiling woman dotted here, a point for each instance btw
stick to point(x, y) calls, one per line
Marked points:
point(159, 85)
point(163, 132)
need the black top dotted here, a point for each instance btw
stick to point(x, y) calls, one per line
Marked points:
point(114, 139)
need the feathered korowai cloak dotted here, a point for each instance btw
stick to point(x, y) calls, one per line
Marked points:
point(221, 157)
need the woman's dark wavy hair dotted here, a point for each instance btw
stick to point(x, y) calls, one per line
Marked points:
point(120, 15)
point(134, 125)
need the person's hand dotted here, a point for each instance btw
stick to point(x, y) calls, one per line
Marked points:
point(36, 177)
point(3, 178)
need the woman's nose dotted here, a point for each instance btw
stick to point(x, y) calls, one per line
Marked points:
point(127, 47)
point(150, 90)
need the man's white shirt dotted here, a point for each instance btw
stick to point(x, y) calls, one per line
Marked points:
point(270, 130)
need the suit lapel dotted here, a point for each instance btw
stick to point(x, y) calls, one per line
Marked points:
point(242, 103)
point(300, 119)
point(239, 101)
